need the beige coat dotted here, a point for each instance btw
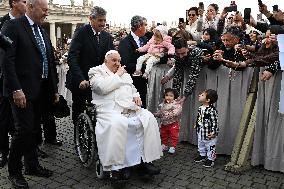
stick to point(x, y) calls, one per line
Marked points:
point(112, 95)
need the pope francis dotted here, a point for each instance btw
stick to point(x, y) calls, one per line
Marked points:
point(126, 134)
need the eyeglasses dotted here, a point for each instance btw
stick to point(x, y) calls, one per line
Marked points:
point(191, 14)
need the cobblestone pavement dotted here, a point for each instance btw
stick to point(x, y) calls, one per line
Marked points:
point(178, 171)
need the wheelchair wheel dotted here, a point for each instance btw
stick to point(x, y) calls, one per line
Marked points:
point(85, 140)
point(99, 170)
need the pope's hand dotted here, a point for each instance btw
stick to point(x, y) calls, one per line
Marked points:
point(121, 70)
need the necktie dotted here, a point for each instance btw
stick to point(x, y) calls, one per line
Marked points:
point(98, 38)
point(42, 51)
point(141, 42)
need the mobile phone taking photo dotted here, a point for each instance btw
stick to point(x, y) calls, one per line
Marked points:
point(247, 13)
point(275, 8)
point(181, 20)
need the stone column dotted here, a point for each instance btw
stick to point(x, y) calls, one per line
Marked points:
point(74, 25)
point(52, 33)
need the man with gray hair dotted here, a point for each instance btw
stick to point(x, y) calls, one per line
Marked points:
point(29, 83)
point(87, 49)
point(129, 55)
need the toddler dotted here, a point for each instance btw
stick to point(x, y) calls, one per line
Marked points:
point(207, 127)
point(157, 46)
point(169, 112)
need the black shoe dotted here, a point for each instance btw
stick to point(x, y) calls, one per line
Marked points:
point(39, 171)
point(3, 160)
point(150, 169)
point(126, 173)
point(54, 142)
point(18, 181)
point(200, 159)
point(41, 153)
point(208, 163)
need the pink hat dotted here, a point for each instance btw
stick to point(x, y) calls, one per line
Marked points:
point(162, 29)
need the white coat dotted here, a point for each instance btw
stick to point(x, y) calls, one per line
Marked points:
point(113, 94)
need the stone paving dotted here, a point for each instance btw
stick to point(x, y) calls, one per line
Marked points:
point(178, 171)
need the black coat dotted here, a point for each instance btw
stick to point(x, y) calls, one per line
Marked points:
point(23, 67)
point(129, 55)
point(2, 52)
point(85, 53)
point(4, 19)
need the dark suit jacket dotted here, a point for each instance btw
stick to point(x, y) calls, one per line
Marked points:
point(85, 53)
point(127, 50)
point(2, 52)
point(23, 67)
point(4, 19)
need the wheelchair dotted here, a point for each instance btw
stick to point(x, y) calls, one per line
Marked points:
point(85, 140)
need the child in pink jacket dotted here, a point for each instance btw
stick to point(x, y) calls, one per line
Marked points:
point(169, 112)
point(156, 47)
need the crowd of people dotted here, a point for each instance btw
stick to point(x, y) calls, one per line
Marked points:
point(207, 62)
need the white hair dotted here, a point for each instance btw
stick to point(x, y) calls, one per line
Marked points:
point(111, 52)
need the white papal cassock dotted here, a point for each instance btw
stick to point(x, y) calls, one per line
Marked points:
point(125, 133)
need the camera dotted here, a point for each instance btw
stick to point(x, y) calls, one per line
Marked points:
point(247, 13)
point(232, 7)
point(5, 41)
point(275, 8)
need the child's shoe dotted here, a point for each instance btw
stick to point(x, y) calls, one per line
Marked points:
point(164, 147)
point(172, 150)
point(137, 73)
point(208, 163)
point(145, 75)
point(200, 159)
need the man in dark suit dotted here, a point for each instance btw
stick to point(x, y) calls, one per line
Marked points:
point(129, 55)
point(88, 48)
point(29, 81)
point(18, 8)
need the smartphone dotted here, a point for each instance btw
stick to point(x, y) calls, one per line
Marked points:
point(260, 2)
point(201, 5)
point(186, 17)
point(275, 8)
point(181, 20)
point(247, 13)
